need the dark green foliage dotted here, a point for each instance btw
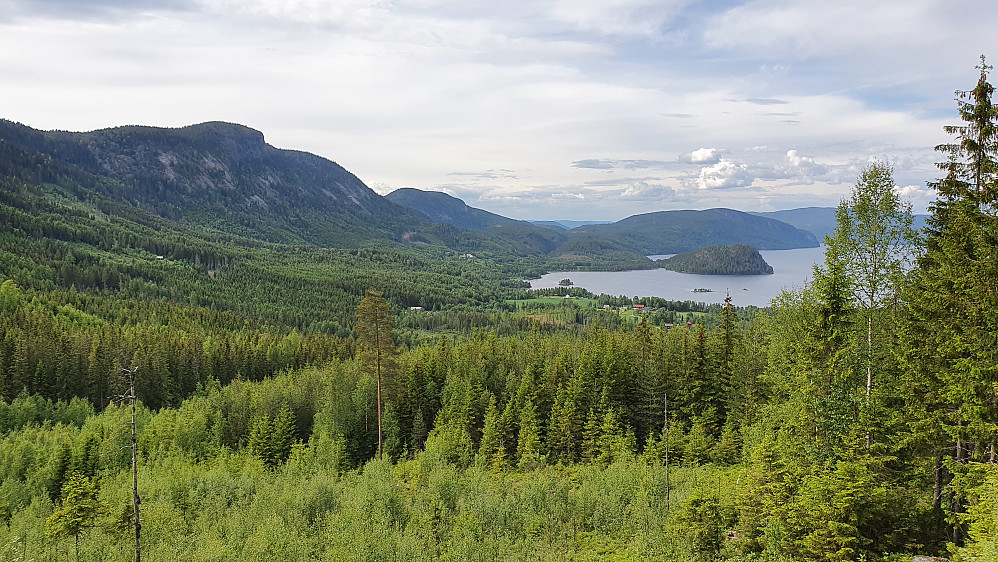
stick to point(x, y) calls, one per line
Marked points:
point(669, 232)
point(739, 259)
point(443, 208)
point(271, 437)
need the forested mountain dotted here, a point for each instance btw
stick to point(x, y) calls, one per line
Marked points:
point(443, 208)
point(670, 232)
point(663, 232)
point(738, 259)
point(216, 175)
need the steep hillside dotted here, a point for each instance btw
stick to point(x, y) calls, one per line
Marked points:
point(215, 174)
point(443, 208)
point(560, 247)
point(668, 232)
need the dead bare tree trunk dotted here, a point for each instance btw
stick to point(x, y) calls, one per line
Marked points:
point(129, 374)
point(667, 491)
point(937, 491)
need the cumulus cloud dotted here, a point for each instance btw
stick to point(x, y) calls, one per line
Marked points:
point(704, 156)
point(725, 174)
point(804, 167)
point(648, 191)
point(918, 196)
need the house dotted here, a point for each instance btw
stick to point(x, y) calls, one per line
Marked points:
point(639, 307)
point(415, 308)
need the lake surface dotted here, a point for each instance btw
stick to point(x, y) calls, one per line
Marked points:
point(792, 268)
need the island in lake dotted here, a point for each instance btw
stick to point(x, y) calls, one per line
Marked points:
point(737, 259)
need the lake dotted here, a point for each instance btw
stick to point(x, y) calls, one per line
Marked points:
point(791, 269)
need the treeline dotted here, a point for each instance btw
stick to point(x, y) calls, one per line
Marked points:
point(59, 351)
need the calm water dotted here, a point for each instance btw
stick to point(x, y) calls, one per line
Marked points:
point(792, 268)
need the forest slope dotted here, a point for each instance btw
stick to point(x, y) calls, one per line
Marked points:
point(670, 232)
point(738, 259)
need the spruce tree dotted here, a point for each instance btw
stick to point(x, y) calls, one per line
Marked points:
point(528, 442)
point(954, 301)
point(952, 354)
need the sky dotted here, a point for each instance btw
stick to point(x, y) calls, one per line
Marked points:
point(533, 109)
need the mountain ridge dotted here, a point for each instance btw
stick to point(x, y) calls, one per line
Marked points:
point(226, 178)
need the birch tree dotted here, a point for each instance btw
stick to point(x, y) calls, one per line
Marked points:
point(873, 247)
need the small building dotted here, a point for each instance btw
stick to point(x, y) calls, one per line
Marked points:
point(415, 308)
point(639, 307)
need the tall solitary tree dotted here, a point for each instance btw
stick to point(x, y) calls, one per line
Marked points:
point(875, 240)
point(870, 252)
point(952, 346)
point(376, 336)
point(958, 275)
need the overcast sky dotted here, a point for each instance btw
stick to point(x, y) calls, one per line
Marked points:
point(534, 109)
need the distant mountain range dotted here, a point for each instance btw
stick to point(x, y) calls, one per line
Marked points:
point(567, 224)
point(820, 221)
point(225, 178)
point(667, 232)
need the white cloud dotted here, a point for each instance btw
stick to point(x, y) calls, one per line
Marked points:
point(804, 168)
point(724, 175)
point(704, 155)
point(617, 17)
point(918, 195)
point(644, 191)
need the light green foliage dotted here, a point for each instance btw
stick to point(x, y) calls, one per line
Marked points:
point(492, 453)
point(78, 510)
point(700, 523)
point(698, 444)
point(981, 488)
